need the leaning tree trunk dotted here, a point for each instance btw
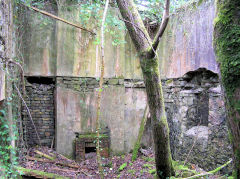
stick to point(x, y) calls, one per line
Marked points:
point(150, 67)
point(160, 130)
point(227, 47)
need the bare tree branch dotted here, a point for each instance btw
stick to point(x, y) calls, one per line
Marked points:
point(29, 113)
point(58, 18)
point(162, 27)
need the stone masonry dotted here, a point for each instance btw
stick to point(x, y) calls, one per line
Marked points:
point(40, 101)
point(196, 117)
point(194, 106)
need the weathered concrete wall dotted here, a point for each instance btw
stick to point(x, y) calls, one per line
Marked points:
point(4, 19)
point(40, 100)
point(187, 42)
point(39, 43)
point(185, 46)
point(193, 101)
point(194, 105)
point(122, 108)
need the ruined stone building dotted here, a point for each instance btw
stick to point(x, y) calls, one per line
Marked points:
point(62, 71)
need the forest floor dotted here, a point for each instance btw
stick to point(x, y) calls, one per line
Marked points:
point(114, 167)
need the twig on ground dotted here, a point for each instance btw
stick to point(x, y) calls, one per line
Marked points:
point(211, 172)
point(52, 161)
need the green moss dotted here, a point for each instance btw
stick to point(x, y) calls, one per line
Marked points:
point(25, 171)
point(227, 43)
point(140, 134)
point(91, 135)
point(227, 47)
point(230, 137)
point(169, 81)
point(152, 171)
point(183, 169)
point(131, 172)
point(148, 159)
point(121, 168)
point(147, 165)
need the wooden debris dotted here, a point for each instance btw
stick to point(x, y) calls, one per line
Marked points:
point(39, 174)
point(52, 161)
point(44, 155)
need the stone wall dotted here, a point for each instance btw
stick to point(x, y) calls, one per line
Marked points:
point(194, 105)
point(40, 100)
point(196, 115)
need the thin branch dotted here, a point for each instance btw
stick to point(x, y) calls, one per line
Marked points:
point(211, 172)
point(100, 169)
point(162, 26)
point(29, 113)
point(150, 43)
point(22, 73)
point(58, 18)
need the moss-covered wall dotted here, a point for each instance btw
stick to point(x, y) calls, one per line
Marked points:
point(227, 46)
point(57, 49)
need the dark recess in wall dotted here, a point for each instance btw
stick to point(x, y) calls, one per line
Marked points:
point(41, 80)
point(40, 100)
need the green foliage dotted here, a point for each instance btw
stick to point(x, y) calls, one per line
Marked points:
point(89, 12)
point(121, 168)
point(182, 170)
point(131, 171)
point(6, 149)
point(152, 171)
point(153, 9)
point(148, 159)
point(147, 165)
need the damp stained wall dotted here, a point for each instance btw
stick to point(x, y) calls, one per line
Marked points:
point(121, 112)
point(187, 42)
point(58, 49)
point(69, 54)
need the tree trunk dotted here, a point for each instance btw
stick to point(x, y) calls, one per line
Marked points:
point(159, 123)
point(227, 47)
point(150, 67)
